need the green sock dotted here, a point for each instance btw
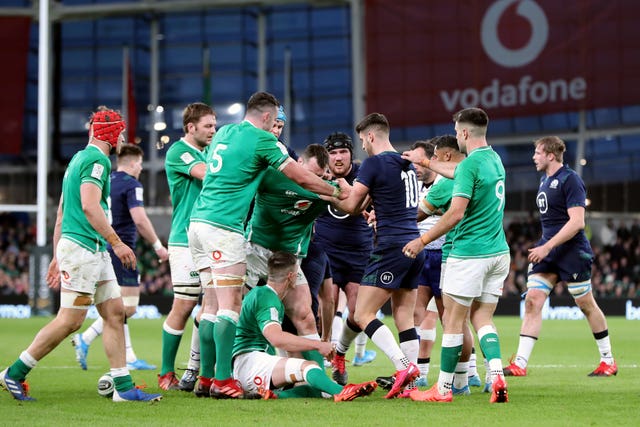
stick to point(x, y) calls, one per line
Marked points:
point(319, 380)
point(123, 383)
point(207, 349)
point(224, 334)
point(490, 345)
point(449, 357)
point(299, 391)
point(18, 371)
point(314, 356)
point(170, 345)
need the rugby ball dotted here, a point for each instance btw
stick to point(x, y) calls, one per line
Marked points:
point(106, 385)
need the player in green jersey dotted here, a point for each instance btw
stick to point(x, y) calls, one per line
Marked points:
point(282, 220)
point(81, 266)
point(479, 259)
point(259, 332)
point(237, 159)
point(185, 168)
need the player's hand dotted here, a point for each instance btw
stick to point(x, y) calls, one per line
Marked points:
point(326, 349)
point(370, 217)
point(537, 254)
point(413, 248)
point(414, 156)
point(126, 255)
point(163, 254)
point(345, 189)
point(53, 275)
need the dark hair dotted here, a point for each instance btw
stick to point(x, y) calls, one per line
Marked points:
point(319, 152)
point(474, 116)
point(446, 141)
point(261, 100)
point(130, 150)
point(338, 140)
point(428, 147)
point(552, 145)
point(193, 112)
point(377, 120)
point(279, 264)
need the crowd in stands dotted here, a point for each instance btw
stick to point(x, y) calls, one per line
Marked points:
point(16, 239)
point(616, 269)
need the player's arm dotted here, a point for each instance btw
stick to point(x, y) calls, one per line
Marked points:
point(284, 340)
point(357, 201)
point(146, 230)
point(295, 172)
point(417, 156)
point(53, 273)
point(425, 210)
point(198, 171)
point(90, 195)
point(447, 222)
point(566, 233)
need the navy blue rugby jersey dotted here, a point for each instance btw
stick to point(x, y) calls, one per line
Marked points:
point(556, 194)
point(126, 193)
point(340, 230)
point(393, 186)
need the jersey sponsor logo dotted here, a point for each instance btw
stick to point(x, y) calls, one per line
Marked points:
point(258, 381)
point(216, 255)
point(274, 313)
point(541, 201)
point(386, 277)
point(193, 274)
point(139, 194)
point(337, 213)
point(302, 205)
point(290, 193)
point(187, 158)
point(97, 171)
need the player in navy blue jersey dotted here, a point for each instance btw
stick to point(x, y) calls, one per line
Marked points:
point(128, 217)
point(390, 184)
point(347, 241)
point(562, 254)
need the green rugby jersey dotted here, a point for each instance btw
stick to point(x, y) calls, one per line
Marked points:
point(238, 156)
point(283, 214)
point(87, 165)
point(260, 307)
point(480, 233)
point(184, 188)
point(439, 197)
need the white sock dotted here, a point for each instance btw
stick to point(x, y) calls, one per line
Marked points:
point(131, 355)
point(460, 379)
point(361, 344)
point(525, 347)
point(495, 367)
point(336, 328)
point(384, 339)
point(194, 354)
point(28, 359)
point(93, 331)
point(410, 349)
point(473, 368)
point(445, 381)
point(345, 339)
point(604, 346)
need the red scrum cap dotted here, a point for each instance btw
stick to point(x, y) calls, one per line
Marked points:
point(106, 125)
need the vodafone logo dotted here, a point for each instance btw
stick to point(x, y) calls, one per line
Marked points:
point(497, 51)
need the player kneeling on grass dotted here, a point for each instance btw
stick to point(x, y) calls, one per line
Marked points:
point(259, 331)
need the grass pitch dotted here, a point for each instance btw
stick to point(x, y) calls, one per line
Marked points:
point(557, 391)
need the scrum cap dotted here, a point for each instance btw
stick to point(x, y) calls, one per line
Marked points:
point(281, 114)
point(338, 140)
point(106, 125)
